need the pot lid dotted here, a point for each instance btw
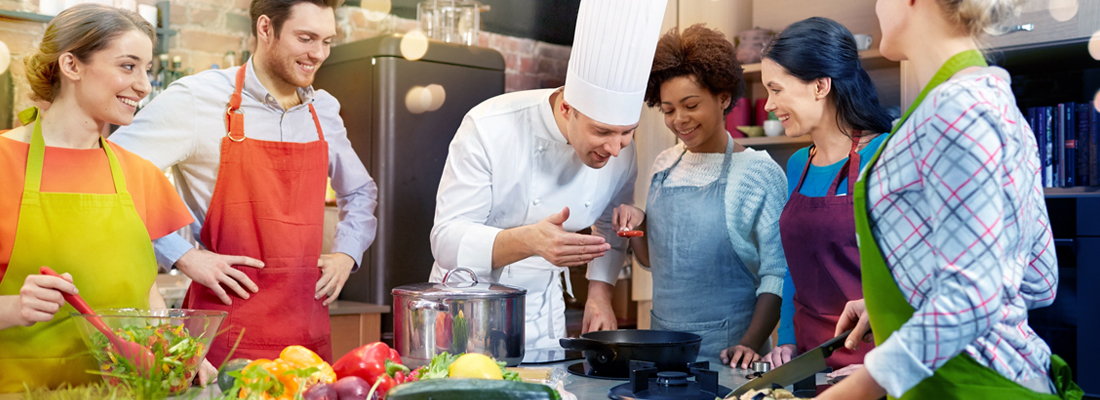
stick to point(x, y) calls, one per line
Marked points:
point(452, 290)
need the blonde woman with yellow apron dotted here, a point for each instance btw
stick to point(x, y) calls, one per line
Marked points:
point(75, 202)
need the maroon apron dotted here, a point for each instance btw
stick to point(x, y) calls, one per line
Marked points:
point(819, 240)
point(268, 204)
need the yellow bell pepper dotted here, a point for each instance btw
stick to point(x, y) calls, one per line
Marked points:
point(302, 358)
point(290, 359)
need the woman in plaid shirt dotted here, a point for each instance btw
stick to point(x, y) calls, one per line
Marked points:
point(954, 236)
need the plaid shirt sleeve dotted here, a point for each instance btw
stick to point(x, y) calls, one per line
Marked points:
point(955, 218)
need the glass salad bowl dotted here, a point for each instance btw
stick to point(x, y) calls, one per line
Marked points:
point(178, 339)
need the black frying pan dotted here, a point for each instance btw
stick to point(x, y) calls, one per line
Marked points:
point(609, 352)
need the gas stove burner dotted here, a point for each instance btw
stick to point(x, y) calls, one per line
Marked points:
point(647, 383)
point(581, 368)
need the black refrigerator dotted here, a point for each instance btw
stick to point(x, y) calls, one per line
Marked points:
point(404, 144)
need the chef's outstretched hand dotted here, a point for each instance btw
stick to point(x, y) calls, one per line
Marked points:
point(565, 249)
point(215, 270)
point(627, 217)
point(781, 354)
point(739, 356)
point(855, 318)
point(38, 300)
point(335, 269)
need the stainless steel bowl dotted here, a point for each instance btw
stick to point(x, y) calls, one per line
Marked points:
point(458, 317)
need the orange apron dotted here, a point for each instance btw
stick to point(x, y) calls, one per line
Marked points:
point(268, 204)
point(97, 238)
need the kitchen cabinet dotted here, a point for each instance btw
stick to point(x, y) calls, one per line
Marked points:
point(731, 17)
point(1050, 21)
point(354, 324)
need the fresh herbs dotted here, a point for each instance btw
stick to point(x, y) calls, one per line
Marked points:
point(440, 366)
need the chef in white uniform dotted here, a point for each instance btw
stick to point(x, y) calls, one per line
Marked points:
point(526, 170)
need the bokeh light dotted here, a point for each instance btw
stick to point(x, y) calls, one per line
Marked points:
point(437, 95)
point(1063, 10)
point(414, 45)
point(418, 99)
point(5, 57)
point(1096, 101)
point(377, 10)
point(1094, 46)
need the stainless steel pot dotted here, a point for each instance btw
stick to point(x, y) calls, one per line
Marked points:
point(458, 317)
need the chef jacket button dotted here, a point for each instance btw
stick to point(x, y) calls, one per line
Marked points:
point(536, 202)
point(540, 149)
point(587, 203)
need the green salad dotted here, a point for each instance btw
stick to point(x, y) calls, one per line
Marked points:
point(177, 355)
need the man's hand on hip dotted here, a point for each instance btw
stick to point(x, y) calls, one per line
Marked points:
point(214, 270)
point(598, 313)
point(335, 269)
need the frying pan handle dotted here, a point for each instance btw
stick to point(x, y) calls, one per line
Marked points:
point(603, 353)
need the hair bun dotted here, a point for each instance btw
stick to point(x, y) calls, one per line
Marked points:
point(983, 16)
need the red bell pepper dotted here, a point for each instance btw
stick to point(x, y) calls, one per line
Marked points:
point(373, 362)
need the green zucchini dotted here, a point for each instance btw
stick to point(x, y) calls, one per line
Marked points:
point(463, 389)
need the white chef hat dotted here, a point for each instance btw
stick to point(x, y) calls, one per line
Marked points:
point(612, 54)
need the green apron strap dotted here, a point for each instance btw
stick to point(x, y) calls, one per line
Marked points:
point(886, 306)
point(32, 182)
point(961, 377)
point(37, 154)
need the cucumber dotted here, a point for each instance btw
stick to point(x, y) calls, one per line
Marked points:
point(463, 389)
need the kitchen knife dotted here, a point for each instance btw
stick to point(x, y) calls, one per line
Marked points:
point(801, 367)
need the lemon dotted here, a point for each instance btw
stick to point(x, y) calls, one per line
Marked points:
point(475, 366)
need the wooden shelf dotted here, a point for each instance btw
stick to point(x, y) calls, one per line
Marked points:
point(25, 16)
point(1073, 192)
point(870, 59)
point(764, 141)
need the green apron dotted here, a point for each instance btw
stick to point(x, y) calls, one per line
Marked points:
point(97, 238)
point(961, 377)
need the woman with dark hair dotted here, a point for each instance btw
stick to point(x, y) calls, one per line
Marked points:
point(713, 239)
point(75, 202)
point(817, 87)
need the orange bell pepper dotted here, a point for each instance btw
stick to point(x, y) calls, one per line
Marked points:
point(285, 387)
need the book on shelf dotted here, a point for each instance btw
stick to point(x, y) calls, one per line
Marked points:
point(1066, 135)
point(1081, 128)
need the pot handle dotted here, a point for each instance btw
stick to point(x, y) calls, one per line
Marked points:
point(460, 269)
point(604, 354)
point(428, 305)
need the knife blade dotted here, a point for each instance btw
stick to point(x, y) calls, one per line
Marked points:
point(801, 367)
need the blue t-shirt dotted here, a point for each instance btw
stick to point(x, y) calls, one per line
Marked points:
point(818, 180)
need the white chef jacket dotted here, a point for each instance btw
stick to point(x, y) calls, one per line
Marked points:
point(509, 165)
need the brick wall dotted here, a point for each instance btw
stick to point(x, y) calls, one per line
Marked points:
point(207, 29)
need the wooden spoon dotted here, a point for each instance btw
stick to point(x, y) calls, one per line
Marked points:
point(139, 355)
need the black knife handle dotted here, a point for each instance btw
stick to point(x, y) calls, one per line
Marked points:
point(833, 344)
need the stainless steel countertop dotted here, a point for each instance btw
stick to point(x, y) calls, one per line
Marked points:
point(583, 388)
point(592, 388)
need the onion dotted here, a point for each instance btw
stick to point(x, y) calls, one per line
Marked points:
point(320, 391)
point(351, 388)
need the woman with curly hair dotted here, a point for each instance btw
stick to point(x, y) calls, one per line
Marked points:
point(713, 208)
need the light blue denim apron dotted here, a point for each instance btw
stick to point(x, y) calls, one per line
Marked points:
point(700, 285)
